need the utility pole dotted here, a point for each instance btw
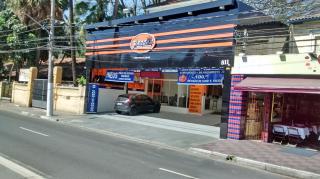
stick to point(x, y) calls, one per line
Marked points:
point(72, 44)
point(115, 10)
point(50, 62)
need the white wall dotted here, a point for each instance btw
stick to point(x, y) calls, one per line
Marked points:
point(107, 97)
point(306, 43)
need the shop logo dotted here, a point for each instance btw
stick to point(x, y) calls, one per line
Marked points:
point(143, 43)
point(312, 63)
point(183, 78)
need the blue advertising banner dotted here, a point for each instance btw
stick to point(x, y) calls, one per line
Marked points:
point(200, 76)
point(92, 105)
point(119, 76)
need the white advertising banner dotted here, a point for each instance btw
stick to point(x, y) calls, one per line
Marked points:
point(286, 64)
point(24, 75)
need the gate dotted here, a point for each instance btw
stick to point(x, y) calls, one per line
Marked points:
point(6, 91)
point(39, 93)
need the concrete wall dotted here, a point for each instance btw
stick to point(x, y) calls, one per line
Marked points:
point(69, 99)
point(20, 94)
point(1, 89)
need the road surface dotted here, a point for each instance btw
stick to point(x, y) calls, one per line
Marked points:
point(58, 151)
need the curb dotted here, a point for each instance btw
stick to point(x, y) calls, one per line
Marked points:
point(286, 171)
point(19, 169)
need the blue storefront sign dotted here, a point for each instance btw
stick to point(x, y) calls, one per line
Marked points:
point(120, 76)
point(200, 76)
point(93, 95)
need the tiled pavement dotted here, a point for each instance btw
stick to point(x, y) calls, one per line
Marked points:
point(288, 156)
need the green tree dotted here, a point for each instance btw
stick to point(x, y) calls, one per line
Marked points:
point(284, 9)
point(15, 37)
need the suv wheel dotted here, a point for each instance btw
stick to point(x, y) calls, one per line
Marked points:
point(133, 112)
point(156, 109)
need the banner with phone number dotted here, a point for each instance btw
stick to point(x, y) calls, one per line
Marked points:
point(120, 76)
point(200, 76)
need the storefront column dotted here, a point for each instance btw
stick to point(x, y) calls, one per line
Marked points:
point(237, 109)
point(146, 86)
point(266, 118)
point(225, 103)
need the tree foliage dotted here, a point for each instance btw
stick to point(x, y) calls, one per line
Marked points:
point(284, 9)
point(14, 36)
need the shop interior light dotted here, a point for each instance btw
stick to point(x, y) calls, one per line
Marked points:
point(222, 8)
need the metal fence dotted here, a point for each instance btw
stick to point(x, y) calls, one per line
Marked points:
point(6, 91)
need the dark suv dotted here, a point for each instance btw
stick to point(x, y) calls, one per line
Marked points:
point(135, 103)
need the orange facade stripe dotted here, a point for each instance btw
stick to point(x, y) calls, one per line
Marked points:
point(224, 35)
point(218, 27)
point(220, 44)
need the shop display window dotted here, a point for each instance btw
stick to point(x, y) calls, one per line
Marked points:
point(277, 107)
point(168, 92)
point(254, 119)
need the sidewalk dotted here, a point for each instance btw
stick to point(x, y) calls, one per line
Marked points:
point(200, 139)
point(266, 153)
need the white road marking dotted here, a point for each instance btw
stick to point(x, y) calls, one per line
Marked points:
point(34, 131)
point(181, 174)
point(24, 172)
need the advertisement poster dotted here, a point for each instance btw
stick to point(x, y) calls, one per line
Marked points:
point(200, 76)
point(120, 76)
point(92, 105)
point(195, 102)
point(24, 75)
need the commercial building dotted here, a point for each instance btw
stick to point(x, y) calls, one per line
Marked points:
point(181, 57)
point(276, 97)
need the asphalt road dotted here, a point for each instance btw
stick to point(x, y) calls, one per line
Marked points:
point(64, 152)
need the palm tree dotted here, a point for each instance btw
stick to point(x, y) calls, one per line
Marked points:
point(38, 9)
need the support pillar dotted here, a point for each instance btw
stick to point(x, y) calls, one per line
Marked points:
point(33, 73)
point(57, 75)
point(237, 110)
point(1, 89)
point(266, 136)
point(146, 86)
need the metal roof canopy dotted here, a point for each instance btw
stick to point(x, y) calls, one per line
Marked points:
point(167, 13)
point(279, 85)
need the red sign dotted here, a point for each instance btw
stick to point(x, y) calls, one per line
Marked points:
point(143, 43)
point(150, 74)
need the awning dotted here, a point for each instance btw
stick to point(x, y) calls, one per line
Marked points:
point(279, 85)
